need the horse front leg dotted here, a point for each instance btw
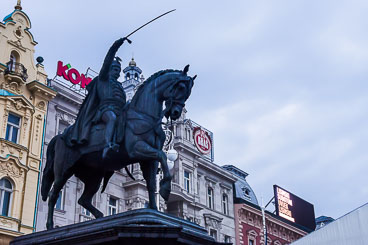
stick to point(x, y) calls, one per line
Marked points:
point(145, 152)
point(149, 170)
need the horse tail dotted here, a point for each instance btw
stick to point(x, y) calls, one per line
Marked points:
point(106, 179)
point(48, 172)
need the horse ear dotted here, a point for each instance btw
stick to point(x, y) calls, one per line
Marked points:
point(186, 69)
point(195, 76)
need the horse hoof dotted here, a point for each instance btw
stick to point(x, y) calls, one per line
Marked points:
point(165, 189)
point(49, 226)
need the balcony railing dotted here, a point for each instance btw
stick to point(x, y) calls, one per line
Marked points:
point(14, 68)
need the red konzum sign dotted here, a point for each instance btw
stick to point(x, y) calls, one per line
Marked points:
point(72, 75)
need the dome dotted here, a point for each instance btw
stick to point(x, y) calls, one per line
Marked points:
point(132, 63)
point(242, 190)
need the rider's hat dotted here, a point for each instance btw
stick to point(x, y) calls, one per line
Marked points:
point(116, 62)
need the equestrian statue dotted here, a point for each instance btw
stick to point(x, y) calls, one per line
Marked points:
point(109, 134)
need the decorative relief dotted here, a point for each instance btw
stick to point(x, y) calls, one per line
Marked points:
point(25, 124)
point(9, 167)
point(65, 117)
point(11, 86)
point(17, 44)
point(5, 119)
point(213, 221)
point(135, 203)
point(41, 105)
point(38, 126)
point(6, 223)
point(18, 32)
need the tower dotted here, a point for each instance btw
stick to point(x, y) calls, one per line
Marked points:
point(132, 78)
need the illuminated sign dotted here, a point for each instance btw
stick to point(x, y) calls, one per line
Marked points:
point(202, 140)
point(293, 208)
point(72, 75)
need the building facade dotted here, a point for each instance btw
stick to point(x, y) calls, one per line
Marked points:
point(201, 190)
point(24, 96)
point(249, 226)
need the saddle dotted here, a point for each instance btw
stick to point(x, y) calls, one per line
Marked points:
point(96, 140)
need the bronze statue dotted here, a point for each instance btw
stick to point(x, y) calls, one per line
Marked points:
point(136, 134)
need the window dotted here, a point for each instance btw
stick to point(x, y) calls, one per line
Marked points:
point(6, 190)
point(213, 233)
point(60, 201)
point(187, 181)
point(86, 212)
point(113, 206)
point(225, 204)
point(227, 239)
point(62, 126)
point(136, 76)
point(210, 197)
point(12, 128)
point(251, 242)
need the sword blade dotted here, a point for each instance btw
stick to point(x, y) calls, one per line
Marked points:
point(149, 22)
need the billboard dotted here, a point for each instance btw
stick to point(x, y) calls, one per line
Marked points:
point(293, 208)
point(203, 140)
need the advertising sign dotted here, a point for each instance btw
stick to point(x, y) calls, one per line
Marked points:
point(202, 141)
point(72, 75)
point(293, 208)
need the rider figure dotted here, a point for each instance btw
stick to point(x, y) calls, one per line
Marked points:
point(112, 96)
point(104, 102)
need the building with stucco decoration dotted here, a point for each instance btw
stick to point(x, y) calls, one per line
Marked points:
point(24, 96)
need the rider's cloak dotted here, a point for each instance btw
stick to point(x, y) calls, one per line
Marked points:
point(78, 134)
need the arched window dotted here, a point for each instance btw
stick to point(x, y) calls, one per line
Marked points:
point(210, 198)
point(128, 76)
point(136, 76)
point(6, 190)
point(225, 204)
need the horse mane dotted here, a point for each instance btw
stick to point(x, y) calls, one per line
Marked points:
point(149, 80)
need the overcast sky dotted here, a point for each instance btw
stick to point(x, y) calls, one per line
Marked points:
point(281, 84)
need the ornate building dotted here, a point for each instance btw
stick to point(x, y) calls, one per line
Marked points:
point(201, 190)
point(249, 218)
point(24, 96)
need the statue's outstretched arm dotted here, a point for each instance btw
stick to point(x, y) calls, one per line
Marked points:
point(104, 72)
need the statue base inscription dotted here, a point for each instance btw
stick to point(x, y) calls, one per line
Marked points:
point(142, 226)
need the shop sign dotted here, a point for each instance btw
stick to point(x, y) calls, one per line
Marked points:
point(72, 75)
point(202, 140)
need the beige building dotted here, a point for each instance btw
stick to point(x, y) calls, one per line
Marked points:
point(24, 97)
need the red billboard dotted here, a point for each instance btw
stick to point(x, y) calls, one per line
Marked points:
point(293, 208)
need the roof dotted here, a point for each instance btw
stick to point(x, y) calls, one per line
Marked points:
point(4, 92)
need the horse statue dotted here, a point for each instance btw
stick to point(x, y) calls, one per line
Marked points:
point(142, 142)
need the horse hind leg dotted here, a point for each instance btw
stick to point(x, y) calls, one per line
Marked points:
point(91, 186)
point(53, 196)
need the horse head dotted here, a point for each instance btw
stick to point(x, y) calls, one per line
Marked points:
point(178, 91)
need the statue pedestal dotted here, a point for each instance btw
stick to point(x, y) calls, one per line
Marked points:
point(142, 226)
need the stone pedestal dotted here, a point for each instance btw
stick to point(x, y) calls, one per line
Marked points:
point(142, 226)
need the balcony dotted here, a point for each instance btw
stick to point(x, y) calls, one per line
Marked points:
point(179, 194)
point(15, 70)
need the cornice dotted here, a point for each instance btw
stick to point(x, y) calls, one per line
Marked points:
point(42, 90)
